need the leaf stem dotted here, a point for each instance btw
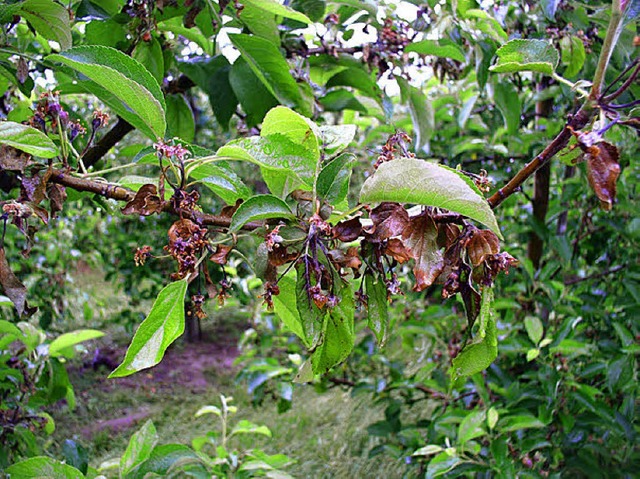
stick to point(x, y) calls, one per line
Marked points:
point(560, 79)
point(613, 32)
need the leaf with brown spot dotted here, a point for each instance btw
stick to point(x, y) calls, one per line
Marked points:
point(603, 171)
point(482, 244)
point(420, 238)
point(447, 234)
point(221, 253)
point(397, 250)
point(13, 287)
point(13, 159)
point(145, 203)
point(40, 212)
point(346, 259)
point(389, 220)
point(347, 231)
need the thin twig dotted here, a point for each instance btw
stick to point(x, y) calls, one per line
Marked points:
point(615, 269)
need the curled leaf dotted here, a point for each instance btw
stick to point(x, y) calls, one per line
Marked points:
point(13, 287)
point(420, 238)
point(482, 244)
point(389, 219)
point(145, 203)
point(603, 171)
point(347, 231)
point(221, 254)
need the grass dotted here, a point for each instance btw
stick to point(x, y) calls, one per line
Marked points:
point(325, 433)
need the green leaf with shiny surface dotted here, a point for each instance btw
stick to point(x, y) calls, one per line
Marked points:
point(526, 55)
point(409, 180)
point(27, 139)
point(163, 325)
point(260, 207)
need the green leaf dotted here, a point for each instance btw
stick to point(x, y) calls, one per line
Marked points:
point(357, 78)
point(298, 129)
point(518, 422)
point(534, 328)
point(333, 180)
point(284, 305)
point(492, 417)
point(213, 76)
point(139, 449)
point(335, 138)
point(340, 99)
point(9, 328)
point(479, 354)
point(66, 340)
point(338, 335)
point(163, 325)
point(428, 450)
point(471, 426)
point(508, 102)
point(422, 115)
point(180, 121)
point(275, 152)
point(409, 180)
point(27, 139)
point(314, 9)
point(222, 180)
point(50, 20)
point(438, 48)
point(129, 85)
point(247, 427)
point(272, 69)
point(377, 308)
point(276, 8)
point(43, 467)
point(108, 33)
point(176, 25)
point(260, 207)
point(169, 460)
point(526, 55)
point(442, 463)
point(487, 24)
point(255, 98)
point(573, 55)
point(312, 317)
point(149, 54)
point(261, 23)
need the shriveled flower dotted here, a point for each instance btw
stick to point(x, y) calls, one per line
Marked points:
point(141, 255)
point(270, 290)
point(197, 301)
point(100, 120)
point(186, 241)
point(171, 151)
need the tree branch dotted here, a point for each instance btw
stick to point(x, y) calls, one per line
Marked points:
point(119, 193)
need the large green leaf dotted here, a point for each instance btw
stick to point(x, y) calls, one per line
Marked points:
point(43, 467)
point(573, 55)
point(409, 180)
point(314, 9)
point(338, 336)
point(275, 152)
point(150, 55)
point(213, 77)
point(480, 353)
point(438, 48)
point(169, 460)
point(180, 121)
point(422, 115)
point(129, 84)
point(259, 207)
point(139, 449)
point(286, 122)
point(67, 340)
point(526, 55)
point(272, 69)
point(335, 138)
point(253, 95)
point(333, 180)
point(163, 325)
point(277, 8)
point(341, 99)
point(508, 103)
point(284, 305)
point(50, 20)
point(27, 139)
point(222, 180)
point(312, 317)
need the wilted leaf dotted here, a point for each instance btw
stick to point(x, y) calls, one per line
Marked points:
point(34, 188)
point(389, 219)
point(57, 195)
point(603, 171)
point(13, 288)
point(347, 231)
point(483, 243)
point(397, 249)
point(13, 159)
point(145, 203)
point(221, 253)
point(420, 238)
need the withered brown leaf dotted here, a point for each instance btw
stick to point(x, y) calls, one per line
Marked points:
point(481, 245)
point(397, 250)
point(389, 220)
point(57, 195)
point(13, 159)
point(221, 253)
point(13, 287)
point(420, 238)
point(34, 188)
point(145, 203)
point(347, 231)
point(603, 171)
point(229, 210)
